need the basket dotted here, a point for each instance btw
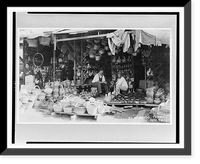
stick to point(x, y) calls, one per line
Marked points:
point(36, 90)
point(29, 105)
point(91, 108)
point(37, 103)
point(41, 96)
point(33, 96)
point(57, 107)
point(64, 102)
point(79, 109)
point(24, 98)
point(67, 109)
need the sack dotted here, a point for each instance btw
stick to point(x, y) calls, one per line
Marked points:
point(150, 92)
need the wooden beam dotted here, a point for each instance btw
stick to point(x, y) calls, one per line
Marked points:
point(81, 37)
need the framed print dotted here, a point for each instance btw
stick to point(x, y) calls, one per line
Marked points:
point(99, 81)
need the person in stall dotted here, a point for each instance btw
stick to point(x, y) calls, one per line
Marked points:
point(100, 82)
point(38, 77)
point(28, 73)
point(120, 85)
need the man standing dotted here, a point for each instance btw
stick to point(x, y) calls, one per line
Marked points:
point(99, 82)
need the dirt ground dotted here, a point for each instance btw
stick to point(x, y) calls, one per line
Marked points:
point(135, 115)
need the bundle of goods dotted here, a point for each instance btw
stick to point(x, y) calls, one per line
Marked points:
point(130, 98)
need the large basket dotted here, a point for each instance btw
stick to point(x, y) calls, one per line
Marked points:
point(37, 103)
point(57, 107)
point(79, 109)
point(67, 109)
point(24, 98)
point(30, 104)
point(92, 108)
point(37, 90)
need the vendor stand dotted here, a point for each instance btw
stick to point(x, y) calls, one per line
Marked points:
point(121, 59)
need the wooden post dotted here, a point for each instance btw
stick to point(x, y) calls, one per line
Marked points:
point(81, 63)
point(74, 62)
point(54, 60)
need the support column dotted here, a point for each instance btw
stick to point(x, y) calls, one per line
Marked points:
point(54, 61)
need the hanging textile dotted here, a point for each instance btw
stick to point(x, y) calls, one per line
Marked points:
point(118, 38)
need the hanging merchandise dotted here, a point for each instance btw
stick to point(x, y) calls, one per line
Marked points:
point(97, 57)
point(146, 52)
point(101, 51)
point(118, 38)
point(45, 41)
point(64, 48)
point(32, 42)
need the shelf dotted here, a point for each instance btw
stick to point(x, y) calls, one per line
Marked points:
point(130, 62)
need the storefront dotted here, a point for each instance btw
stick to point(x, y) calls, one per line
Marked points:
point(68, 60)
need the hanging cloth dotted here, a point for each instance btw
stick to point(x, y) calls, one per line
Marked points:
point(118, 38)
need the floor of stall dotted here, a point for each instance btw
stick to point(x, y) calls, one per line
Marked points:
point(133, 115)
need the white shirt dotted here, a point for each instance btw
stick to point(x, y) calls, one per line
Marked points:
point(122, 82)
point(96, 78)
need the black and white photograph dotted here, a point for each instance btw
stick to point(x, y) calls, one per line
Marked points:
point(96, 78)
point(118, 75)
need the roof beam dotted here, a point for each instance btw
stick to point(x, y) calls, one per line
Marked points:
point(81, 37)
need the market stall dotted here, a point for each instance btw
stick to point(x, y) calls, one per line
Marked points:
point(73, 60)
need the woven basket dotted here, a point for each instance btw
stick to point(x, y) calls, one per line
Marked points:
point(36, 90)
point(67, 109)
point(79, 109)
point(24, 98)
point(92, 108)
point(57, 107)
